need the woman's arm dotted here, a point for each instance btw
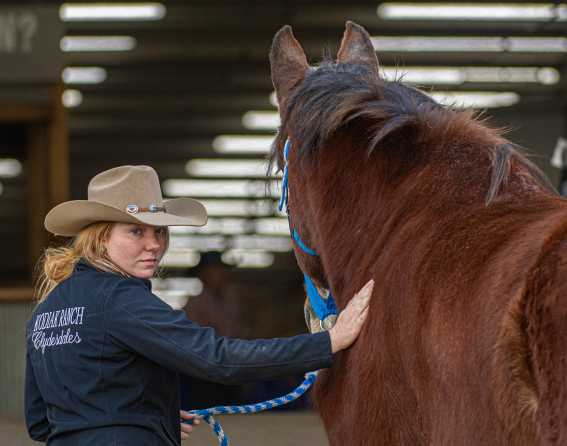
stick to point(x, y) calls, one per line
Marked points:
point(138, 320)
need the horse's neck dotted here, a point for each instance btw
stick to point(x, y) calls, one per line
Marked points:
point(359, 215)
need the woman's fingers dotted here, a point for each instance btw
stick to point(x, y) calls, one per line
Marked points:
point(366, 292)
point(351, 319)
point(188, 416)
point(361, 299)
point(187, 428)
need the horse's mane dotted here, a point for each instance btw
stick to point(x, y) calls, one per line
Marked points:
point(335, 95)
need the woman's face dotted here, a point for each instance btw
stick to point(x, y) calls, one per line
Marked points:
point(136, 248)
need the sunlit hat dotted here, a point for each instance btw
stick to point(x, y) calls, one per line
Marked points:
point(127, 194)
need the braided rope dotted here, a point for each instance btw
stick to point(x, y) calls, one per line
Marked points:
point(207, 414)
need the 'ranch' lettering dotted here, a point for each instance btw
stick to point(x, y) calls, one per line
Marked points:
point(59, 318)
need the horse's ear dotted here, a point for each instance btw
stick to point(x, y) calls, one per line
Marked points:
point(357, 48)
point(288, 62)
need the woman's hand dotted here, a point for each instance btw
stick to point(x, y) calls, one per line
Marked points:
point(351, 319)
point(185, 427)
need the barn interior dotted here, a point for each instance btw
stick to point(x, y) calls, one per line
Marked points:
point(184, 86)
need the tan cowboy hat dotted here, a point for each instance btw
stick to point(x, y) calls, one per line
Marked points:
point(127, 194)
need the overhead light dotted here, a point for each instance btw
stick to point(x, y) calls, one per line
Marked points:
point(201, 243)
point(239, 208)
point(216, 226)
point(272, 226)
point(219, 188)
point(261, 120)
point(184, 286)
point(460, 75)
point(472, 11)
point(441, 44)
point(71, 12)
point(274, 99)
point(178, 258)
point(221, 167)
point(424, 75)
point(242, 258)
point(535, 44)
point(72, 98)
point(548, 76)
point(84, 75)
point(476, 99)
point(270, 117)
point(97, 43)
point(243, 143)
point(262, 242)
point(175, 291)
point(10, 168)
point(469, 44)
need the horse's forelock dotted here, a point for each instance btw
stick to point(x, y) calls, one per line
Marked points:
point(335, 95)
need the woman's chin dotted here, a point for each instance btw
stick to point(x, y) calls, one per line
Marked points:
point(146, 272)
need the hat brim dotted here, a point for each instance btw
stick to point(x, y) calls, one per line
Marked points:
point(67, 219)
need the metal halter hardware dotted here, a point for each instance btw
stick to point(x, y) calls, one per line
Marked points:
point(324, 307)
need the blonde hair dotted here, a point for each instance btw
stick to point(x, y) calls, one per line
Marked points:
point(57, 264)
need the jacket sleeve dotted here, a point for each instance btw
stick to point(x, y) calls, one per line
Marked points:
point(35, 408)
point(138, 320)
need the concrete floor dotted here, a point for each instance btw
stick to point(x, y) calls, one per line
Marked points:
point(269, 429)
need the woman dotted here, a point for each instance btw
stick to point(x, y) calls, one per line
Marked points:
point(104, 353)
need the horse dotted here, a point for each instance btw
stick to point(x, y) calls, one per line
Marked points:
point(466, 338)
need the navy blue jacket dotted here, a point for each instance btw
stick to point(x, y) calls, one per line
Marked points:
point(103, 356)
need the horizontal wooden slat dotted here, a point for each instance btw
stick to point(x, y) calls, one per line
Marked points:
point(16, 294)
point(19, 113)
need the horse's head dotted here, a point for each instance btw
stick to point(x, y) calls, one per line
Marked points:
point(290, 68)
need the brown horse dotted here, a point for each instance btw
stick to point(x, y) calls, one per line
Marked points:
point(466, 339)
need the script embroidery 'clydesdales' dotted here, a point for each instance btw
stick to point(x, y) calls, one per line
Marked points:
point(56, 328)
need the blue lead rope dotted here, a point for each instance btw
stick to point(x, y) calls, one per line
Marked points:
point(207, 414)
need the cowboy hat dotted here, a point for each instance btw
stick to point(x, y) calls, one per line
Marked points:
point(127, 194)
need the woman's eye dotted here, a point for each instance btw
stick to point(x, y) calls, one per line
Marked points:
point(136, 231)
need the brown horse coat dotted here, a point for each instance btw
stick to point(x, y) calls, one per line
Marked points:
point(465, 343)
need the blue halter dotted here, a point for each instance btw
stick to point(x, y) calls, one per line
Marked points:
point(323, 308)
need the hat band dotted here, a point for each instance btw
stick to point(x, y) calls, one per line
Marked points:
point(134, 208)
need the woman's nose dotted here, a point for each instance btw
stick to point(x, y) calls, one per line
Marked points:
point(152, 242)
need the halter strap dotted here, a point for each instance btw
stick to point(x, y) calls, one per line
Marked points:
point(323, 308)
point(285, 188)
point(306, 249)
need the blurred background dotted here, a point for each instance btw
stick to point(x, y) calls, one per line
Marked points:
point(184, 86)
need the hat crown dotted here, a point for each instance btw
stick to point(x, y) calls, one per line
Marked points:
point(126, 185)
